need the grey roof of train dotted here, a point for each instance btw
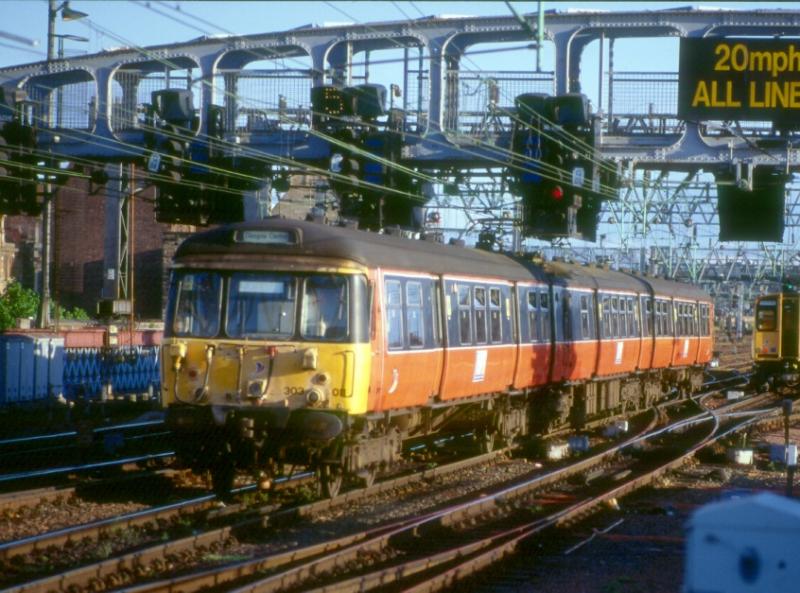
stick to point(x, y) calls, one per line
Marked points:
point(373, 249)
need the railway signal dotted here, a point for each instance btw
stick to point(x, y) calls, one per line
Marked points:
point(172, 121)
point(349, 115)
point(752, 209)
point(557, 175)
point(18, 185)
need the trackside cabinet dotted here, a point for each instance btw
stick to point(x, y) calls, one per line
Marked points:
point(744, 545)
point(10, 350)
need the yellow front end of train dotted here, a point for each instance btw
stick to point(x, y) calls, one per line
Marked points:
point(264, 366)
point(776, 339)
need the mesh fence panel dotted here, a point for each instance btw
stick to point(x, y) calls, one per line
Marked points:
point(127, 111)
point(644, 92)
point(416, 99)
point(479, 102)
point(69, 106)
point(647, 102)
point(271, 99)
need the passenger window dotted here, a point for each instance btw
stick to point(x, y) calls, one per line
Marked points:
point(414, 317)
point(479, 305)
point(544, 316)
point(437, 319)
point(606, 317)
point(614, 317)
point(585, 324)
point(464, 315)
point(648, 317)
point(667, 318)
point(633, 326)
point(495, 319)
point(463, 296)
point(566, 315)
point(683, 328)
point(394, 314)
point(533, 317)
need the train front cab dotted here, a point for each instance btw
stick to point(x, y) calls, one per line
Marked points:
point(262, 364)
point(776, 339)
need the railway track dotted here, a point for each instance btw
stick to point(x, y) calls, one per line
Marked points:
point(150, 562)
point(75, 447)
point(400, 539)
point(107, 574)
point(27, 477)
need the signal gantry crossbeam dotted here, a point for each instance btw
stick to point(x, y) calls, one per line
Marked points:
point(445, 98)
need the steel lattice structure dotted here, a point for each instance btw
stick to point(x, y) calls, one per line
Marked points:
point(459, 117)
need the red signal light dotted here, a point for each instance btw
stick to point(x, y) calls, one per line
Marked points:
point(557, 193)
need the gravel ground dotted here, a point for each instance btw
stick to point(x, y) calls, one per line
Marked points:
point(45, 517)
point(642, 549)
point(388, 506)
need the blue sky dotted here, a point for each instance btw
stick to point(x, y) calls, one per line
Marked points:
point(160, 24)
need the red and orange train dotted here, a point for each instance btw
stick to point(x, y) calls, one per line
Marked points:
point(294, 342)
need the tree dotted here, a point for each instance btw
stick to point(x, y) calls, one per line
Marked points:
point(74, 314)
point(17, 301)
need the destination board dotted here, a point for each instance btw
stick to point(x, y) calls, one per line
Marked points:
point(739, 79)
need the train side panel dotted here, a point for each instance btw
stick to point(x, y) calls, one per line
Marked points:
point(535, 353)
point(576, 344)
point(412, 344)
point(481, 352)
point(685, 347)
point(620, 343)
point(705, 350)
point(648, 341)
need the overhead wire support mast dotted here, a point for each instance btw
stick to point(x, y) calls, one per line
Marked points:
point(538, 34)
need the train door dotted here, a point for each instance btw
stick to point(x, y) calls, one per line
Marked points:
point(647, 314)
point(789, 323)
point(564, 360)
point(413, 350)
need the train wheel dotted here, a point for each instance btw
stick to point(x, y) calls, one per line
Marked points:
point(330, 479)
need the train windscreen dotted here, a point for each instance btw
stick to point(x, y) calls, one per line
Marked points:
point(267, 305)
point(766, 315)
point(197, 298)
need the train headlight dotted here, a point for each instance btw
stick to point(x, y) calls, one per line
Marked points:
point(256, 389)
point(315, 396)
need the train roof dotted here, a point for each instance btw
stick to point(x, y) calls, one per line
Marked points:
point(366, 248)
point(588, 276)
point(281, 236)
